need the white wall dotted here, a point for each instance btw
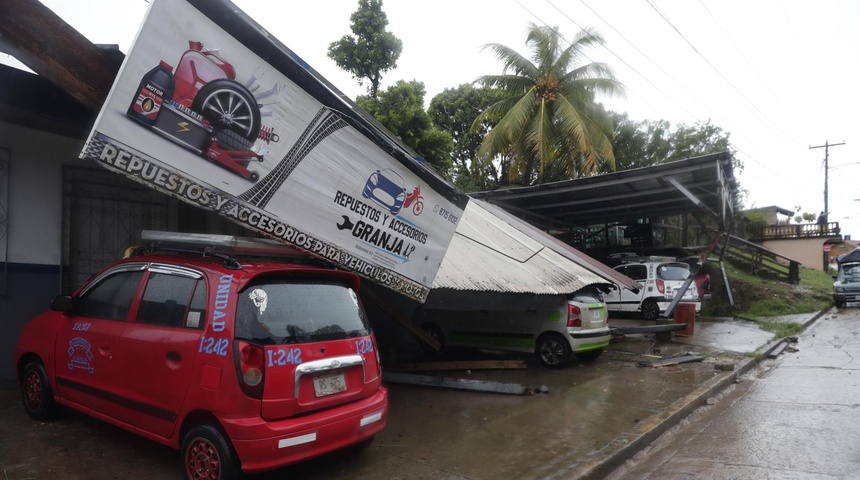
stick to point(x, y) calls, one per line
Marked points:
point(35, 192)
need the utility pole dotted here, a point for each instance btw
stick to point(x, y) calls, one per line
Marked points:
point(826, 148)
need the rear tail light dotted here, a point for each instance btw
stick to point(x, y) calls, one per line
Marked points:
point(251, 368)
point(574, 318)
point(661, 287)
point(378, 360)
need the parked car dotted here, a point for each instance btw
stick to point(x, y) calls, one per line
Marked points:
point(575, 325)
point(617, 258)
point(243, 365)
point(846, 288)
point(660, 278)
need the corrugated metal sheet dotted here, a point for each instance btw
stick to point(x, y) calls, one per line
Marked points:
point(627, 195)
point(490, 254)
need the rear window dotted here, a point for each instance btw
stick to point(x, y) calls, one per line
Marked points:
point(587, 295)
point(290, 310)
point(673, 271)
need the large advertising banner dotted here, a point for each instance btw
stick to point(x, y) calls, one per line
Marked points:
point(210, 109)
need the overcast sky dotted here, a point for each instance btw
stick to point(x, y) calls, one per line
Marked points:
point(780, 76)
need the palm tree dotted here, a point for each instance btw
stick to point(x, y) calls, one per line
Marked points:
point(548, 117)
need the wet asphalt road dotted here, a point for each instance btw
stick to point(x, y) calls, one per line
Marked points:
point(795, 417)
point(592, 411)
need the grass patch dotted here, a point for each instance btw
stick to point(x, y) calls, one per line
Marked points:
point(760, 297)
point(781, 329)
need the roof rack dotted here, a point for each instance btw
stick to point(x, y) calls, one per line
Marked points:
point(219, 246)
point(648, 258)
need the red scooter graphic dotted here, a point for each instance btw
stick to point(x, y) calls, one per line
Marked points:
point(202, 107)
point(415, 200)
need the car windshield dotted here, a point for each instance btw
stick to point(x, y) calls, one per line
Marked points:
point(849, 272)
point(290, 310)
point(673, 271)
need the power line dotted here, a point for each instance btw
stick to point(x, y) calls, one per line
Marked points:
point(720, 74)
point(671, 98)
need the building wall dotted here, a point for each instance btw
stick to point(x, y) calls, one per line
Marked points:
point(34, 242)
point(808, 251)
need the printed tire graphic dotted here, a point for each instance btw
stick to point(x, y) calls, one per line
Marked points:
point(229, 105)
point(234, 141)
point(418, 207)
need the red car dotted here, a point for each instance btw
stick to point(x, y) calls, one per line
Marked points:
point(703, 279)
point(244, 365)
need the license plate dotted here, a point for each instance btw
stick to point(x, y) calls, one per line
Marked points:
point(595, 315)
point(329, 384)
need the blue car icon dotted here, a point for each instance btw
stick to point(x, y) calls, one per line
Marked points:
point(386, 188)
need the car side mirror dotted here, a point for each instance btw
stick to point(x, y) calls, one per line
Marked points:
point(834, 277)
point(62, 303)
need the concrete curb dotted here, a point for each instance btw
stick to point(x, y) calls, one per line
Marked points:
point(677, 411)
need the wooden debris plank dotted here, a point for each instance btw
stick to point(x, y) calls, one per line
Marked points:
point(458, 365)
point(455, 383)
point(647, 329)
point(676, 360)
point(777, 350)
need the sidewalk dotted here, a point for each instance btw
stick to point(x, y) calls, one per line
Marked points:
point(726, 335)
point(791, 417)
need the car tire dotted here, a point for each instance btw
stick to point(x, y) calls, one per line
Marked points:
point(839, 304)
point(217, 96)
point(589, 355)
point(553, 350)
point(650, 310)
point(37, 394)
point(206, 454)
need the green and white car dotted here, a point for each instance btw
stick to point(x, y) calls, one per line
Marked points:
point(576, 325)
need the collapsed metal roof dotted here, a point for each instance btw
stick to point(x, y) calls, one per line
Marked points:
point(705, 183)
point(494, 252)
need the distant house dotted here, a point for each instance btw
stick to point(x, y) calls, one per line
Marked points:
point(773, 214)
point(811, 244)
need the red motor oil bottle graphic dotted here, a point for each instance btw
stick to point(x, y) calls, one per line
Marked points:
point(156, 86)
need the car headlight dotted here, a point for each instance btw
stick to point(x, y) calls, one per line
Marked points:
point(839, 289)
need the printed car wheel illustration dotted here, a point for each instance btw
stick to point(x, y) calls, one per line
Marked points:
point(386, 188)
point(228, 104)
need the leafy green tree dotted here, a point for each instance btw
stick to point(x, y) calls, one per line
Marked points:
point(639, 144)
point(454, 110)
point(549, 115)
point(372, 50)
point(400, 109)
point(804, 217)
point(700, 139)
point(650, 142)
